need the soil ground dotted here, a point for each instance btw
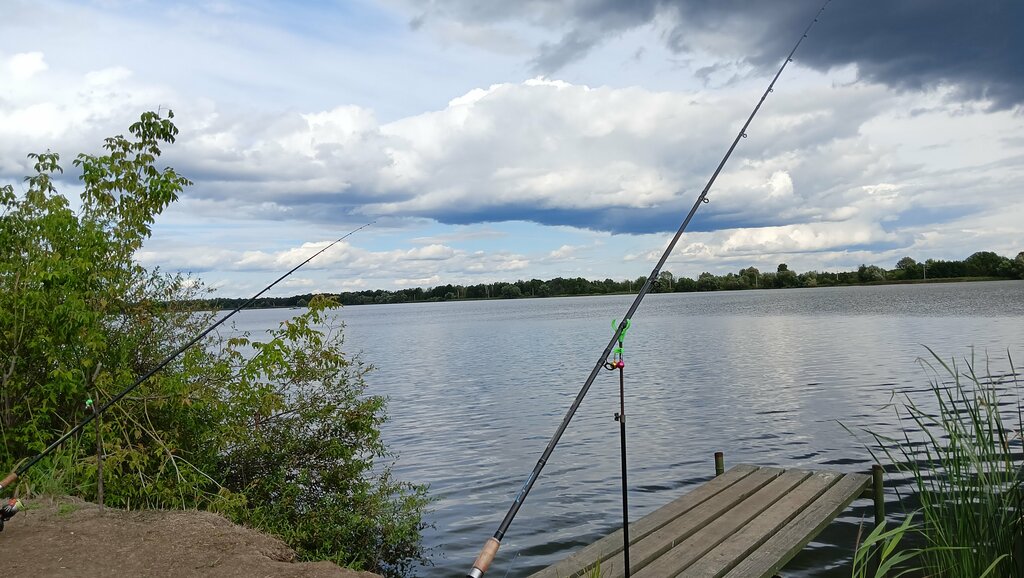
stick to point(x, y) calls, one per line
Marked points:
point(69, 537)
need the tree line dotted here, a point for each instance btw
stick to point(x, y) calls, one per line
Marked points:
point(980, 265)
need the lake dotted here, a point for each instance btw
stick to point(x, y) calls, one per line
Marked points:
point(477, 388)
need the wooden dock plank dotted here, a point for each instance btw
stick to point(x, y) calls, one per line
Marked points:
point(654, 545)
point(780, 548)
point(685, 553)
point(748, 522)
point(610, 545)
point(732, 551)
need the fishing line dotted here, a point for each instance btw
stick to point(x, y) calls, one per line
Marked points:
point(490, 548)
point(8, 510)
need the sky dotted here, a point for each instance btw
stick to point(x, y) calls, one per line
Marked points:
point(496, 141)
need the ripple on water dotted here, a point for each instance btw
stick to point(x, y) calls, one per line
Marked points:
point(768, 377)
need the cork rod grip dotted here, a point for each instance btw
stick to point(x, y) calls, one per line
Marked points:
point(483, 561)
point(10, 479)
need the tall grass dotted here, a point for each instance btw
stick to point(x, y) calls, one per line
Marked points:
point(962, 449)
point(57, 475)
point(879, 554)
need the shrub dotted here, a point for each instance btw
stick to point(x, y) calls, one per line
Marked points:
point(279, 433)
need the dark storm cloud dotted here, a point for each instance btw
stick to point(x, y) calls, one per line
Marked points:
point(908, 44)
point(916, 44)
point(634, 221)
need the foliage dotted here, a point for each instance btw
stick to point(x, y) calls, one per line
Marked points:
point(73, 308)
point(907, 270)
point(906, 263)
point(879, 554)
point(870, 273)
point(308, 464)
point(966, 462)
point(279, 433)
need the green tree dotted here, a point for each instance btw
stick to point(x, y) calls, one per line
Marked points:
point(1018, 265)
point(907, 268)
point(510, 291)
point(752, 275)
point(985, 264)
point(685, 284)
point(786, 278)
point(869, 273)
point(906, 263)
point(285, 438)
point(808, 279)
point(665, 282)
point(707, 282)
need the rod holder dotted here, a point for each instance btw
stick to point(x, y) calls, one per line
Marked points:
point(719, 463)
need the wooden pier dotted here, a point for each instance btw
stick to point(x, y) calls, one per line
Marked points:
point(746, 522)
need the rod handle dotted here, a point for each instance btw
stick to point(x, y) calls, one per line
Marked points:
point(483, 561)
point(10, 479)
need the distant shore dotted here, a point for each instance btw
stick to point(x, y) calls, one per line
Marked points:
point(299, 301)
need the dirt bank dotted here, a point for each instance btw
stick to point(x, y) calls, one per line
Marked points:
point(68, 537)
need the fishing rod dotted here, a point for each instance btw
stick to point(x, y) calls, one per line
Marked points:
point(12, 506)
point(490, 548)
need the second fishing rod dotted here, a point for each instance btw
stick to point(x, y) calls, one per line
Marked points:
point(490, 548)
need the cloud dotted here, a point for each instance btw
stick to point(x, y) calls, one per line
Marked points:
point(543, 151)
point(621, 160)
point(345, 266)
point(25, 65)
point(564, 252)
point(829, 165)
point(910, 45)
point(42, 109)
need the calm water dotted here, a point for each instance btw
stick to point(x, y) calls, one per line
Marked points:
point(478, 388)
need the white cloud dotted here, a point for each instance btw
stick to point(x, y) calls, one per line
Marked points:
point(345, 266)
point(25, 65)
point(520, 149)
point(563, 252)
point(433, 252)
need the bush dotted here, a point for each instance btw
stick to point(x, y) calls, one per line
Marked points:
point(278, 433)
point(308, 465)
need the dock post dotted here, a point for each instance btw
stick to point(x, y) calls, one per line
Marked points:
point(719, 463)
point(879, 494)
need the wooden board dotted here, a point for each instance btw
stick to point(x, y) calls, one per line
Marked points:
point(732, 551)
point(611, 544)
point(787, 542)
point(747, 522)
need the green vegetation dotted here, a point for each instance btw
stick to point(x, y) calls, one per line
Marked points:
point(963, 452)
point(277, 432)
point(879, 555)
point(982, 265)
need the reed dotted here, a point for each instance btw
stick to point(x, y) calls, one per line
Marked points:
point(965, 462)
point(879, 554)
